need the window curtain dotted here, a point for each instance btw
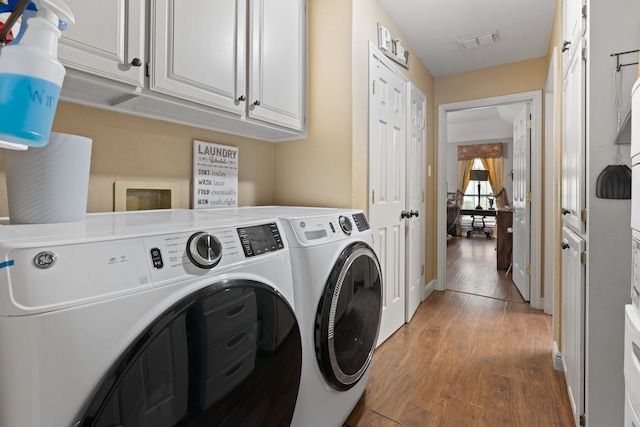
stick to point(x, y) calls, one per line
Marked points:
point(464, 167)
point(495, 166)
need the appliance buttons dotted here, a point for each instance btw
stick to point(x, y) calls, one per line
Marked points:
point(204, 249)
point(156, 258)
point(345, 225)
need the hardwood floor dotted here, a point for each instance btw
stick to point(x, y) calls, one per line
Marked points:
point(474, 355)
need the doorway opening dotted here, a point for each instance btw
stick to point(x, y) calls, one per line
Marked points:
point(445, 112)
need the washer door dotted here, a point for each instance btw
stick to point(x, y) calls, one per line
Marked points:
point(348, 316)
point(226, 355)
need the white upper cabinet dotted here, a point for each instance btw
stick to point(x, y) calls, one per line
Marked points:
point(198, 51)
point(277, 62)
point(107, 39)
point(236, 66)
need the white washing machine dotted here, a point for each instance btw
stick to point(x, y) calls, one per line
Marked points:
point(338, 298)
point(156, 318)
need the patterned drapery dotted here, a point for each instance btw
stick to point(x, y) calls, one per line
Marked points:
point(482, 151)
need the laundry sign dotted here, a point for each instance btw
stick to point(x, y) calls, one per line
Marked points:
point(215, 175)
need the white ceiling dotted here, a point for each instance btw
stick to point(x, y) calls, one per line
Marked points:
point(476, 125)
point(432, 29)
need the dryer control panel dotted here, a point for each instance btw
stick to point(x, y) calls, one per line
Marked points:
point(319, 230)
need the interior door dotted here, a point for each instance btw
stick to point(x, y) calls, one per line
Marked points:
point(416, 163)
point(573, 142)
point(573, 312)
point(522, 211)
point(387, 151)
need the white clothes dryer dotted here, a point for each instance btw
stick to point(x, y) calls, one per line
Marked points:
point(338, 296)
point(156, 318)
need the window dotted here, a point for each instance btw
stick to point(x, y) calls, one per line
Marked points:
point(471, 192)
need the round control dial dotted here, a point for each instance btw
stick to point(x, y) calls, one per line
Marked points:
point(345, 224)
point(204, 249)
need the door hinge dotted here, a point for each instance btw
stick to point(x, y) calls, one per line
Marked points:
point(583, 420)
point(528, 196)
point(422, 270)
point(584, 53)
point(584, 10)
point(373, 197)
point(373, 87)
point(147, 70)
point(528, 270)
point(424, 124)
point(583, 258)
point(528, 124)
point(422, 196)
point(583, 215)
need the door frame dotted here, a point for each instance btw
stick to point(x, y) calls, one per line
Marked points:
point(551, 187)
point(535, 99)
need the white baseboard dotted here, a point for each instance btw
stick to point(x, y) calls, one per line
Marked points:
point(428, 289)
point(558, 359)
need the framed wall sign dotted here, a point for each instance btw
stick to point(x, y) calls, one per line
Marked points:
point(215, 175)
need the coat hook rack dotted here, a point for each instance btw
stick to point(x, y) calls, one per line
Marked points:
point(617, 55)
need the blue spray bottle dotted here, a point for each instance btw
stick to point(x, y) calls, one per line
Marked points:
point(31, 77)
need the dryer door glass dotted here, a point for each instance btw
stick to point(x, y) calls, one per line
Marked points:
point(226, 355)
point(348, 316)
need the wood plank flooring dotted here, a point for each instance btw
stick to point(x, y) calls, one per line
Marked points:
point(474, 355)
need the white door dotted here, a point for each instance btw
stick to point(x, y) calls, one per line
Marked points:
point(522, 211)
point(573, 309)
point(107, 39)
point(573, 143)
point(387, 148)
point(198, 51)
point(416, 182)
point(277, 41)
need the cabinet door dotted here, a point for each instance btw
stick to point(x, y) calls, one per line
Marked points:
point(107, 39)
point(573, 143)
point(198, 51)
point(278, 62)
point(574, 26)
point(573, 318)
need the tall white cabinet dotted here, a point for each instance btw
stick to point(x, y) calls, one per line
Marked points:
point(596, 262)
point(235, 66)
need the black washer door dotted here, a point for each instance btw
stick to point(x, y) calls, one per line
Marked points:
point(348, 316)
point(226, 355)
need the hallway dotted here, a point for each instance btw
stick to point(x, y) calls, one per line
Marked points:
point(474, 355)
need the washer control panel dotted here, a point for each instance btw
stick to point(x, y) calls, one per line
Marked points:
point(260, 239)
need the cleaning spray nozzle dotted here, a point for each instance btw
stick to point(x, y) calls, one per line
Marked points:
point(55, 11)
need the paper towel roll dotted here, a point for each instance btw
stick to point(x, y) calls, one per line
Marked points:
point(49, 184)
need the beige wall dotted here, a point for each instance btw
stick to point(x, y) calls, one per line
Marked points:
point(330, 167)
point(501, 80)
point(132, 148)
point(316, 171)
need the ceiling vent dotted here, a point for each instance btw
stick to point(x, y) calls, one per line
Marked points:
point(479, 40)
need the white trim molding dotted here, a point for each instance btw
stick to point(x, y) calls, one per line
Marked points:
point(534, 98)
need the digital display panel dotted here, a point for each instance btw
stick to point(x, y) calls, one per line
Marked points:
point(260, 239)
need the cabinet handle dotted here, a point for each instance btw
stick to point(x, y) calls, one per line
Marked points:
point(242, 98)
point(565, 211)
point(256, 102)
point(414, 213)
point(136, 62)
point(565, 45)
point(564, 244)
point(405, 214)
